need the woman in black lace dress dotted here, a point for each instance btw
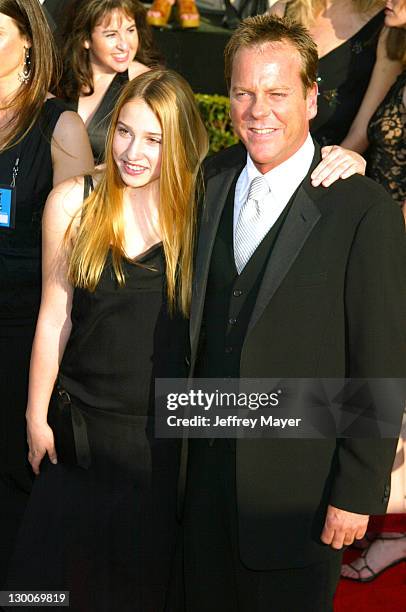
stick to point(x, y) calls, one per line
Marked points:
point(40, 146)
point(101, 519)
point(107, 43)
point(387, 134)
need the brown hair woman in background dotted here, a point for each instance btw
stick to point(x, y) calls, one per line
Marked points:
point(107, 43)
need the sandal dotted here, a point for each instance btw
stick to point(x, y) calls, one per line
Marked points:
point(188, 15)
point(366, 564)
point(159, 13)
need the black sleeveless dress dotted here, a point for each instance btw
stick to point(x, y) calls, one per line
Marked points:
point(107, 533)
point(99, 124)
point(343, 78)
point(20, 293)
point(387, 138)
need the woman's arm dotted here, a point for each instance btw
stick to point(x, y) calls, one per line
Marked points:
point(54, 324)
point(70, 148)
point(337, 163)
point(383, 76)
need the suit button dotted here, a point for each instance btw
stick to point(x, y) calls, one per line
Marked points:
point(232, 321)
point(228, 350)
point(237, 293)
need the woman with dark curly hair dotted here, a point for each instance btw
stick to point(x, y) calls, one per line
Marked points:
point(107, 43)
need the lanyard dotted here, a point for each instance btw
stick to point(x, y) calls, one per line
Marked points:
point(8, 197)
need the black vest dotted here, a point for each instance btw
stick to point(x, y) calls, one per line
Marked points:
point(230, 298)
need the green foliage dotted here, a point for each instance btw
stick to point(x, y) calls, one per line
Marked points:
point(215, 112)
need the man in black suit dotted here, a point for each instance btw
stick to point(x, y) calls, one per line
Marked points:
point(290, 281)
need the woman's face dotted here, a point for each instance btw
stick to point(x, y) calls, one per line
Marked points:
point(137, 144)
point(12, 48)
point(395, 13)
point(114, 42)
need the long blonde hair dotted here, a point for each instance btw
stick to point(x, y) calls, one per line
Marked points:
point(306, 11)
point(184, 146)
point(28, 102)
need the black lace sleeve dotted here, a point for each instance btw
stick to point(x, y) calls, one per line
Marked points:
point(387, 137)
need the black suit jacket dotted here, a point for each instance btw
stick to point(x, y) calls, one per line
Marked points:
point(331, 305)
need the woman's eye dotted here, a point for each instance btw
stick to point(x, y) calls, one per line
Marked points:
point(122, 131)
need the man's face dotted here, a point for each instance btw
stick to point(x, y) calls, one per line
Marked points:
point(268, 108)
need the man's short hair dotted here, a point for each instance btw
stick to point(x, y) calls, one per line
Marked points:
point(262, 29)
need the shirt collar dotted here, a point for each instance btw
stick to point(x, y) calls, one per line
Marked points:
point(285, 178)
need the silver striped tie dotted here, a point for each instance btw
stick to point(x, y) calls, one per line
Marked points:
point(249, 230)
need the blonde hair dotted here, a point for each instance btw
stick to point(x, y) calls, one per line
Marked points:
point(184, 146)
point(263, 29)
point(396, 44)
point(306, 11)
point(27, 104)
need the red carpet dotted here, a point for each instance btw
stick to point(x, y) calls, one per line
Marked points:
point(385, 594)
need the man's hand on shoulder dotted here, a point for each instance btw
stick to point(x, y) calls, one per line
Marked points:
point(341, 527)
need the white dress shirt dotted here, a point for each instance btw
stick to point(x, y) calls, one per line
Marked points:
point(282, 180)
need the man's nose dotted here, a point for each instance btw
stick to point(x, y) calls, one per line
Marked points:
point(261, 106)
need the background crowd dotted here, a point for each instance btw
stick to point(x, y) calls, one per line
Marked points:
point(67, 71)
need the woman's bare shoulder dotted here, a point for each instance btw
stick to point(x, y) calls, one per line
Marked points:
point(135, 69)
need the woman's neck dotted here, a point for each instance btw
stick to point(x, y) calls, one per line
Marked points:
point(101, 72)
point(9, 86)
point(141, 217)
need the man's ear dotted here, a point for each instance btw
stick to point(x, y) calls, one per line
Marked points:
point(311, 101)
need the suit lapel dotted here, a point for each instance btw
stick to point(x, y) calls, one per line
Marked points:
point(217, 189)
point(301, 219)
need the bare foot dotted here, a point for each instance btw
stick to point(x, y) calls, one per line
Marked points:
point(387, 550)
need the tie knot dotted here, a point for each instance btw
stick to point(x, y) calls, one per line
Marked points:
point(258, 189)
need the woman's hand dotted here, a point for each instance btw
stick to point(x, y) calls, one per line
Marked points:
point(337, 163)
point(40, 438)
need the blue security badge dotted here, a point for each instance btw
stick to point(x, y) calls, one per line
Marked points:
point(7, 207)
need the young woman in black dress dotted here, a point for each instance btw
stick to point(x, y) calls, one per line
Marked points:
point(107, 43)
point(117, 284)
point(40, 145)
